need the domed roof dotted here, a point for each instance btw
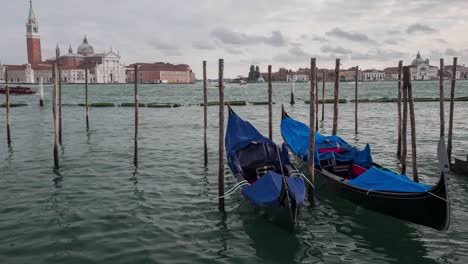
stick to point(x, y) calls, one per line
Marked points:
point(85, 49)
point(418, 60)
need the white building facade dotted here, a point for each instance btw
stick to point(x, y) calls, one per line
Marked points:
point(422, 70)
point(373, 75)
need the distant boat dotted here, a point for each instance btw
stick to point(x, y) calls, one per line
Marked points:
point(242, 82)
point(18, 90)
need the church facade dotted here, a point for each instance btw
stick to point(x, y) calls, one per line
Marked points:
point(105, 67)
point(421, 69)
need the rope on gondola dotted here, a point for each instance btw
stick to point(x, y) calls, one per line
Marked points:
point(296, 173)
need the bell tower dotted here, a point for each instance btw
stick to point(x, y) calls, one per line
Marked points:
point(33, 40)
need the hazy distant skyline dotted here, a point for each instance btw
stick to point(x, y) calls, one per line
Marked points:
point(368, 33)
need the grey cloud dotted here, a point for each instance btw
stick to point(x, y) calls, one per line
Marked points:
point(233, 50)
point(358, 37)
point(391, 42)
point(165, 48)
point(201, 45)
point(337, 50)
point(451, 52)
point(228, 36)
point(414, 28)
point(443, 41)
point(378, 55)
point(298, 55)
point(319, 39)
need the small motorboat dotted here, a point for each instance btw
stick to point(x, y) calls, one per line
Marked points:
point(18, 90)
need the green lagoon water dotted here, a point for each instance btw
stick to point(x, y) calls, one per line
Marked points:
point(94, 210)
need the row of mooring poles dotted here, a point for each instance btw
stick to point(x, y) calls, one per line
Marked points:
point(86, 99)
point(205, 114)
point(41, 92)
point(407, 94)
point(316, 99)
point(400, 124)
point(135, 153)
point(60, 104)
point(323, 95)
point(336, 97)
point(292, 102)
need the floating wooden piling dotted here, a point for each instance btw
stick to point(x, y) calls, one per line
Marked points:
point(400, 69)
point(413, 131)
point(441, 98)
point(7, 105)
point(86, 99)
point(221, 136)
point(356, 100)
point(316, 99)
point(54, 113)
point(41, 92)
point(292, 91)
point(270, 107)
point(452, 105)
point(335, 107)
point(205, 114)
point(135, 153)
point(323, 95)
point(60, 104)
point(406, 79)
point(312, 108)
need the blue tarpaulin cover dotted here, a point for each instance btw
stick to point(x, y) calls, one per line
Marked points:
point(383, 180)
point(266, 190)
point(296, 134)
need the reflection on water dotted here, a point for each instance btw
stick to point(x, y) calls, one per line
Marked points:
point(98, 208)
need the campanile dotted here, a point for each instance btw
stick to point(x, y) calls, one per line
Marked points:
point(33, 40)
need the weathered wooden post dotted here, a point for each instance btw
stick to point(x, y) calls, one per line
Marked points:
point(441, 98)
point(323, 95)
point(54, 112)
point(452, 105)
point(60, 104)
point(400, 70)
point(135, 154)
point(413, 131)
point(7, 105)
point(336, 97)
point(406, 79)
point(356, 99)
point(41, 92)
point(316, 99)
point(313, 83)
point(86, 99)
point(270, 107)
point(292, 91)
point(205, 114)
point(221, 136)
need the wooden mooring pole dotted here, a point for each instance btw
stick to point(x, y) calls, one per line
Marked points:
point(135, 153)
point(316, 99)
point(414, 156)
point(292, 102)
point(270, 107)
point(312, 107)
point(41, 92)
point(452, 105)
point(356, 99)
point(336, 97)
point(7, 105)
point(221, 136)
point(54, 113)
point(86, 99)
point(205, 115)
point(441, 98)
point(60, 104)
point(406, 79)
point(323, 95)
point(400, 71)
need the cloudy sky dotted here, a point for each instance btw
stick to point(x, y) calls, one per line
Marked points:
point(283, 33)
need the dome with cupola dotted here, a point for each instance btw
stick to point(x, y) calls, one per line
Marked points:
point(418, 60)
point(85, 48)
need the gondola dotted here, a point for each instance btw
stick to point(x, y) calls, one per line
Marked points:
point(346, 171)
point(263, 170)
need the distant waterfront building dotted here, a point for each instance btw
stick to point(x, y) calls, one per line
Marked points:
point(373, 75)
point(461, 72)
point(301, 75)
point(391, 73)
point(103, 67)
point(160, 72)
point(350, 74)
point(422, 70)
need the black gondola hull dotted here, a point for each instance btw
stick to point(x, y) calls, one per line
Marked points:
point(430, 208)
